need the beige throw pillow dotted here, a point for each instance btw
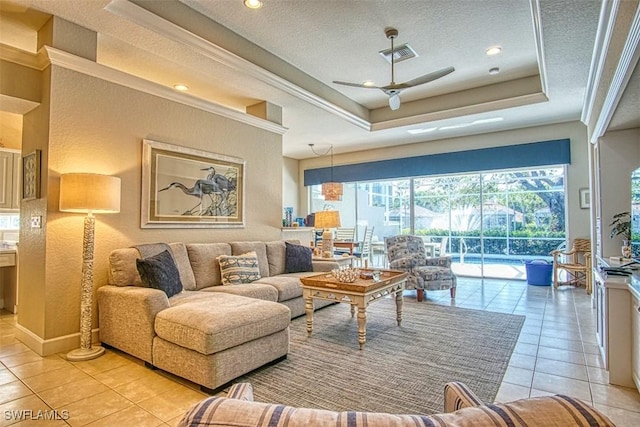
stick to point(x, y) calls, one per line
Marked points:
point(236, 269)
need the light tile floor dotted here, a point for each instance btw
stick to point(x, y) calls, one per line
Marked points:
point(556, 353)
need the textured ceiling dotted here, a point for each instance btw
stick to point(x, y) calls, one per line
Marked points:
point(312, 43)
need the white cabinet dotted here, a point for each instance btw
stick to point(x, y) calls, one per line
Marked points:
point(10, 180)
point(613, 327)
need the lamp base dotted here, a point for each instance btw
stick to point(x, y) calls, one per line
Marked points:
point(82, 354)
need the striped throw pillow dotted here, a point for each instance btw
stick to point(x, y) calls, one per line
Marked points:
point(236, 269)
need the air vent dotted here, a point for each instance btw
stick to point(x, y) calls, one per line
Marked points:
point(400, 53)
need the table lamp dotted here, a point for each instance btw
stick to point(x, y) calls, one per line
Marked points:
point(327, 220)
point(91, 194)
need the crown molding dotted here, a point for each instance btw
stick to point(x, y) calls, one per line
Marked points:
point(75, 63)
point(608, 31)
point(159, 25)
point(500, 104)
point(22, 57)
point(624, 70)
point(538, 41)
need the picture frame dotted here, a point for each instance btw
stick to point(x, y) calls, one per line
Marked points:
point(31, 176)
point(585, 198)
point(189, 188)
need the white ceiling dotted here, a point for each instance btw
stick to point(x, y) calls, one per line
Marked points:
point(300, 47)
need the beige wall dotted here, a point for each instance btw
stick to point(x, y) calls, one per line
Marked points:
point(619, 155)
point(10, 130)
point(97, 126)
point(577, 173)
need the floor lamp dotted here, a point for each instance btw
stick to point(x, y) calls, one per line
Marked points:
point(327, 220)
point(91, 194)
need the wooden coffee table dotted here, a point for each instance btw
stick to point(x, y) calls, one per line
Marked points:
point(358, 294)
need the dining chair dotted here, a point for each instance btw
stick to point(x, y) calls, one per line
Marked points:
point(344, 233)
point(364, 249)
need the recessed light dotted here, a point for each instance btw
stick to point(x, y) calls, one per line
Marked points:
point(181, 87)
point(253, 4)
point(493, 71)
point(493, 50)
point(369, 83)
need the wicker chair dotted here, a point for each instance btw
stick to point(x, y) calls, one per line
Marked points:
point(576, 263)
point(407, 253)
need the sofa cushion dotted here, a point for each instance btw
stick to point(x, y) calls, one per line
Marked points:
point(288, 287)
point(220, 321)
point(298, 258)
point(160, 272)
point(204, 262)
point(252, 290)
point(260, 248)
point(276, 255)
point(545, 411)
point(237, 269)
point(123, 270)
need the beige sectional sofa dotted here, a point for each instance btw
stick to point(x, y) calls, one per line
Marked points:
point(209, 333)
point(462, 408)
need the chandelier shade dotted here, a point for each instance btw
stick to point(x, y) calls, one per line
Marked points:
point(332, 191)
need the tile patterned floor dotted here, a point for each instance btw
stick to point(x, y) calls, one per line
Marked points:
point(556, 353)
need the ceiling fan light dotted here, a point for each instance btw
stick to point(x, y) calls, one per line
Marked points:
point(493, 50)
point(394, 101)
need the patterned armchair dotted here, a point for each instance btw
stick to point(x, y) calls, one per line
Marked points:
point(407, 253)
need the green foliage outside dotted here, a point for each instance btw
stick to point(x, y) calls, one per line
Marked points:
point(529, 242)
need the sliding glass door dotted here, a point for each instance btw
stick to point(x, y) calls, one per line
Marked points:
point(490, 223)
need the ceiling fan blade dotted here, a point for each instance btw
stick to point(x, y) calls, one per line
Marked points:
point(427, 77)
point(356, 85)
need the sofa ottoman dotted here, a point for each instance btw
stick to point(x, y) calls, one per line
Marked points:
point(213, 341)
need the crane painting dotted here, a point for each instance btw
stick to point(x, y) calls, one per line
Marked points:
point(189, 188)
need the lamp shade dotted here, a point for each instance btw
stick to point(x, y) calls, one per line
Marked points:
point(89, 192)
point(327, 219)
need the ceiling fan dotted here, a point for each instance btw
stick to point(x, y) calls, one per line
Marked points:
point(393, 89)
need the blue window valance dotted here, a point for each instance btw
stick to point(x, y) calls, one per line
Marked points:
point(545, 153)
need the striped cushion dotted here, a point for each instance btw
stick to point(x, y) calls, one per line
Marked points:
point(539, 411)
point(237, 269)
point(458, 396)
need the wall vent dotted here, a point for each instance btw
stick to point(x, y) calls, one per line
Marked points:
point(400, 53)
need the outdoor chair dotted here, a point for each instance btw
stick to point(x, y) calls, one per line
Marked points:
point(407, 253)
point(576, 264)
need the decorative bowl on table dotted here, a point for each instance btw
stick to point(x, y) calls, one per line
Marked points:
point(345, 275)
point(366, 275)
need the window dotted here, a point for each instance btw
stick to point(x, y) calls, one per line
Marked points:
point(511, 215)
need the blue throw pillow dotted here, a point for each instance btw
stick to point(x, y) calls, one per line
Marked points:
point(160, 272)
point(298, 258)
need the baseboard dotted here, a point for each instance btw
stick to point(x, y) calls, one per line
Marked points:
point(51, 346)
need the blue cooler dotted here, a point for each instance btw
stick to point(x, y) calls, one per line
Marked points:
point(539, 272)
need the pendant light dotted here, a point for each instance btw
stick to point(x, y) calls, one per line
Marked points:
point(332, 191)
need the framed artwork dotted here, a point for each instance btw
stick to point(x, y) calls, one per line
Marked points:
point(31, 176)
point(585, 202)
point(188, 188)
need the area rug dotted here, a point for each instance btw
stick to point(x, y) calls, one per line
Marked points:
point(401, 369)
